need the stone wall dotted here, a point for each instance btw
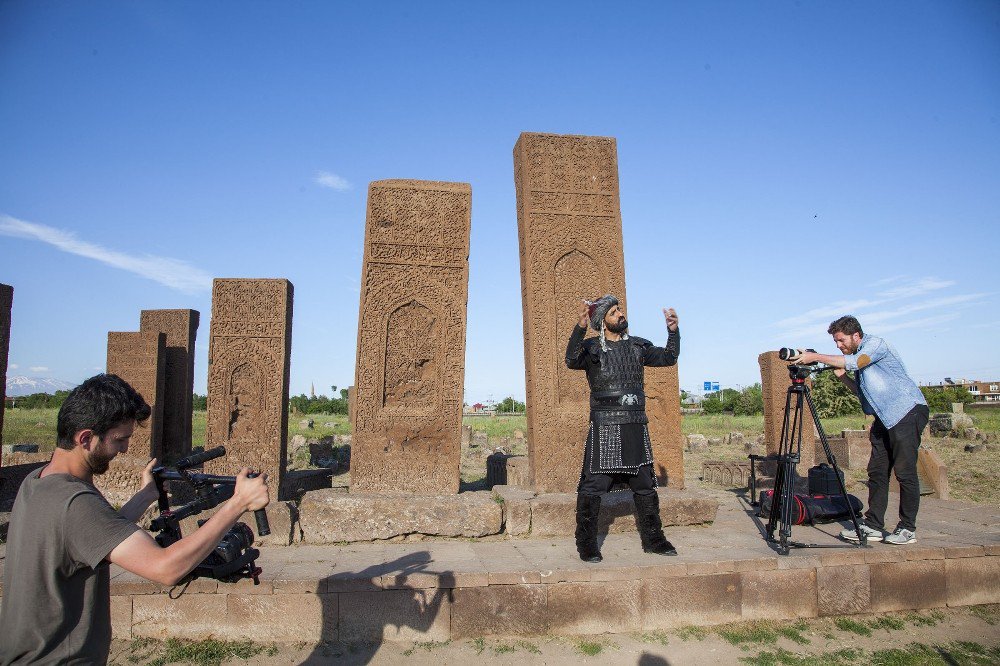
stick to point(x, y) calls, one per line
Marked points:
point(6, 301)
point(410, 368)
point(250, 342)
point(180, 328)
point(570, 235)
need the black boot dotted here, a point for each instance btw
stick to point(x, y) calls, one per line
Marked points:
point(588, 508)
point(647, 517)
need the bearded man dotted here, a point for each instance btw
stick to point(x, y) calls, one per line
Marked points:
point(618, 450)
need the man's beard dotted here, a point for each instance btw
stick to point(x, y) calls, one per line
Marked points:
point(100, 459)
point(619, 327)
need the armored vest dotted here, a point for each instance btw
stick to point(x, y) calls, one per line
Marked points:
point(616, 382)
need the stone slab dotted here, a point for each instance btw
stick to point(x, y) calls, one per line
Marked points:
point(697, 600)
point(972, 580)
point(570, 240)
point(249, 347)
point(554, 514)
point(499, 610)
point(595, 607)
point(410, 365)
point(843, 590)
point(139, 359)
point(780, 594)
point(6, 303)
point(908, 585)
point(395, 615)
point(180, 328)
point(330, 516)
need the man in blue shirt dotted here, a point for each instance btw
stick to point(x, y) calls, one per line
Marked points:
point(887, 393)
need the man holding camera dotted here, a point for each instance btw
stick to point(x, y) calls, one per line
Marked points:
point(63, 534)
point(901, 413)
point(618, 449)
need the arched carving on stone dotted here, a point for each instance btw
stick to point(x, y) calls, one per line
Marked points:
point(413, 359)
point(575, 275)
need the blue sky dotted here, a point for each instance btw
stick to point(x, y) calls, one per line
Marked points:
point(781, 163)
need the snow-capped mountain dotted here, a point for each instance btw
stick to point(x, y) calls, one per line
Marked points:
point(19, 385)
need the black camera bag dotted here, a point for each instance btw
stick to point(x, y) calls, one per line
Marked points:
point(823, 480)
point(812, 509)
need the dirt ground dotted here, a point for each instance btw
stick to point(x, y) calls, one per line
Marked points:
point(946, 636)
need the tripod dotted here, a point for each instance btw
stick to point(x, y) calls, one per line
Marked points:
point(789, 455)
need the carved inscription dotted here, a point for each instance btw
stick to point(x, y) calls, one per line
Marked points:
point(406, 402)
point(180, 328)
point(570, 235)
point(250, 342)
point(6, 300)
point(139, 359)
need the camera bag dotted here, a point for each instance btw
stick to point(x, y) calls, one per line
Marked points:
point(823, 480)
point(813, 509)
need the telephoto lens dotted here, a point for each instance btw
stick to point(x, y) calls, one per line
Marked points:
point(790, 354)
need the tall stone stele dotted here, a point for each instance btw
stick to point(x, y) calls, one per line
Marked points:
point(410, 370)
point(180, 328)
point(774, 381)
point(250, 343)
point(570, 233)
point(6, 301)
point(139, 358)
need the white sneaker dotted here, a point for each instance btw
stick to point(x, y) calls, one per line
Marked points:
point(871, 534)
point(901, 537)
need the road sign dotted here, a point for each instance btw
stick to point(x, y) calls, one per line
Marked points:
point(715, 386)
point(708, 386)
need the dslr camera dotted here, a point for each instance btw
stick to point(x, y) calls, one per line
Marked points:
point(234, 558)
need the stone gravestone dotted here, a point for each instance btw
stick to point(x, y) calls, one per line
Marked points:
point(774, 384)
point(139, 359)
point(570, 233)
point(411, 338)
point(180, 328)
point(250, 341)
point(6, 301)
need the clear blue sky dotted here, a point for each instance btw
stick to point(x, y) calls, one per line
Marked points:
point(781, 163)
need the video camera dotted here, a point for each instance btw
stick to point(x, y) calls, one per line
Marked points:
point(800, 372)
point(233, 558)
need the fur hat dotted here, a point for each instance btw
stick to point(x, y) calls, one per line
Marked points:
point(599, 309)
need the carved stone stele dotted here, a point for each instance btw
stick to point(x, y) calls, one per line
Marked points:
point(138, 358)
point(570, 233)
point(6, 301)
point(410, 370)
point(250, 342)
point(774, 382)
point(180, 328)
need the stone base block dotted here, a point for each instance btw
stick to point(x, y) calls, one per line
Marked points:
point(554, 514)
point(972, 580)
point(844, 590)
point(331, 516)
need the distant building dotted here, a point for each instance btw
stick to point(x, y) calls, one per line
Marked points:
point(981, 391)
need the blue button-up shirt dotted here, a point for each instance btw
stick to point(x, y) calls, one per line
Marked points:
point(886, 390)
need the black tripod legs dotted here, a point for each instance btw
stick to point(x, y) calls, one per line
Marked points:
point(588, 509)
point(647, 515)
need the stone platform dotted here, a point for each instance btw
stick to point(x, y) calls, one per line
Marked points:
point(440, 590)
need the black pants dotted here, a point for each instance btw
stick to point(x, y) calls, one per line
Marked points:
point(895, 449)
point(641, 483)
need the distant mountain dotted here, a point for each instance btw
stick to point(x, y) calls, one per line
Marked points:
point(19, 385)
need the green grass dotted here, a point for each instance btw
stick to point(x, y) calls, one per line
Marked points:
point(782, 657)
point(748, 632)
point(852, 626)
point(989, 613)
point(528, 646)
point(204, 653)
point(793, 632)
point(425, 645)
point(497, 426)
point(503, 648)
point(887, 622)
point(479, 644)
point(589, 648)
point(30, 426)
point(660, 637)
point(691, 633)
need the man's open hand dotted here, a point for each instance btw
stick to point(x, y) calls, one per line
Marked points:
point(670, 316)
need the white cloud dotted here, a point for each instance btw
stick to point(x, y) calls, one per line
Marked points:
point(331, 180)
point(12, 366)
point(38, 368)
point(173, 273)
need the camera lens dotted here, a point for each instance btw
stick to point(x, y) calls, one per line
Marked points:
point(236, 540)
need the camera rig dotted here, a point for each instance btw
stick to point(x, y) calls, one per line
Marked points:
point(234, 558)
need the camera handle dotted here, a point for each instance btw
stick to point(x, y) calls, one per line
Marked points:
point(260, 515)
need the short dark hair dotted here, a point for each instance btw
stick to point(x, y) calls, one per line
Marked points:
point(99, 404)
point(848, 325)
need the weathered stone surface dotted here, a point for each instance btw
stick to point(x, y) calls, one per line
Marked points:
point(329, 516)
point(595, 608)
point(499, 610)
point(779, 594)
point(283, 618)
point(180, 328)
point(249, 346)
point(686, 600)
point(411, 338)
point(121, 618)
point(6, 302)
point(908, 585)
point(516, 509)
point(395, 615)
point(774, 384)
point(943, 425)
point(554, 514)
point(122, 480)
point(570, 233)
point(192, 616)
point(972, 580)
point(843, 590)
point(519, 471)
point(139, 359)
point(859, 449)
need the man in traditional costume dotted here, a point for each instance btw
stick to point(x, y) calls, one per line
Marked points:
point(618, 450)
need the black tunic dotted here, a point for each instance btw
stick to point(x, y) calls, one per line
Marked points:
point(618, 439)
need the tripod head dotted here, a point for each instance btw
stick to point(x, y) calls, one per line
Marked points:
point(800, 373)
